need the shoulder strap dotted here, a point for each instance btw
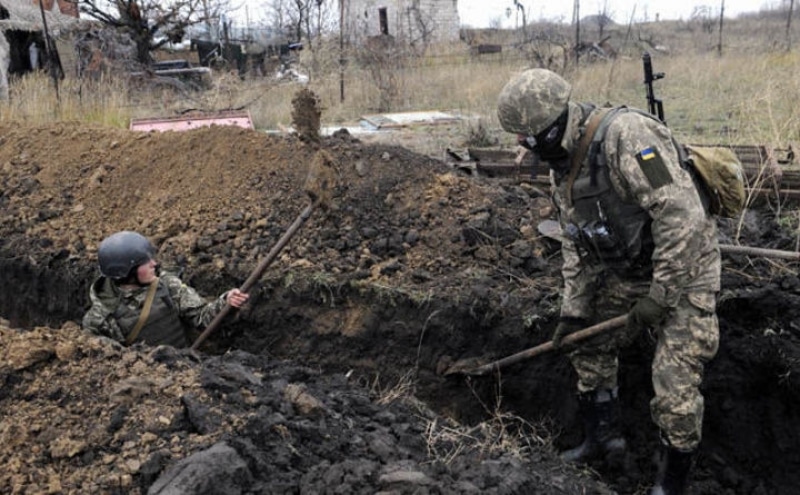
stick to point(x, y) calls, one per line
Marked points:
point(583, 148)
point(148, 303)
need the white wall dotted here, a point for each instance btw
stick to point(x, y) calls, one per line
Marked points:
point(5, 60)
point(409, 20)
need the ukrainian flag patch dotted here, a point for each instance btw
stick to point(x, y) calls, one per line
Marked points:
point(647, 154)
point(654, 168)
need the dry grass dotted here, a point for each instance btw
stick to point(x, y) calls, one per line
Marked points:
point(35, 99)
point(746, 96)
point(501, 433)
point(403, 390)
point(742, 97)
point(735, 99)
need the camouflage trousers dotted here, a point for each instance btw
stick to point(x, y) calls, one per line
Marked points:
point(686, 341)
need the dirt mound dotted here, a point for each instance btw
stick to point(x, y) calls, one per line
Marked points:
point(226, 193)
point(83, 415)
point(409, 267)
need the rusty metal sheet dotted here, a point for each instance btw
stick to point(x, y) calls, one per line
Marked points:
point(184, 123)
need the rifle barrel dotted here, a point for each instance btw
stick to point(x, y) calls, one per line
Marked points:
point(654, 105)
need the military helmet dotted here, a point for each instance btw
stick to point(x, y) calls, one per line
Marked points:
point(123, 251)
point(532, 101)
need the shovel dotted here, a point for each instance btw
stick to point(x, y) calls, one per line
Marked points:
point(552, 230)
point(472, 366)
point(319, 184)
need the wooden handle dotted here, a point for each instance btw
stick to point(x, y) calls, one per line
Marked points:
point(257, 272)
point(591, 331)
point(757, 251)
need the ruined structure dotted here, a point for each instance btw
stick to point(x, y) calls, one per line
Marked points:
point(23, 45)
point(414, 21)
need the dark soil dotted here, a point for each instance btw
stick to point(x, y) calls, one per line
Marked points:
point(331, 381)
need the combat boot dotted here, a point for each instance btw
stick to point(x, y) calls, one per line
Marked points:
point(602, 434)
point(673, 471)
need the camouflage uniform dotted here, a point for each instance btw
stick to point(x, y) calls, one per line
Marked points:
point(677, 264)
point(175, 309)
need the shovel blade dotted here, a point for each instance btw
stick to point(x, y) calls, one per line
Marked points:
point(467, 366)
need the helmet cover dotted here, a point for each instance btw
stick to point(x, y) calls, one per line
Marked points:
point(532, 101)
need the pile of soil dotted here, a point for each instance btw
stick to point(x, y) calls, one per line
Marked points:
point(405, 267)
point(84, 415)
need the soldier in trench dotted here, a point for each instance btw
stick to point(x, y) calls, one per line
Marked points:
point(636, 238)
point(132, 303)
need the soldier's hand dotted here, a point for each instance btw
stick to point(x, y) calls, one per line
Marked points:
point(646, 313)
point(566, 326)
point(237, 298)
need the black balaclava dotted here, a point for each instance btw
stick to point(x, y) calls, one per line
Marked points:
point(549, 142)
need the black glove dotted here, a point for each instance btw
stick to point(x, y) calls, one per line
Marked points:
point(645, 313)
point(566, 326)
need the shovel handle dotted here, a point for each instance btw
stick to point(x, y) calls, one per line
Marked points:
point(591, 331)
point(757, 251)
point(257, 272)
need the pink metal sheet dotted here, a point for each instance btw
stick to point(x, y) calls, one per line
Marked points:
point(186, 123)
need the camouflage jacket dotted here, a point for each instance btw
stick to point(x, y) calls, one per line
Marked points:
point(109, 301)
point(644, 170)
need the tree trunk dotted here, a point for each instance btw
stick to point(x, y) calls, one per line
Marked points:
point(142, 39)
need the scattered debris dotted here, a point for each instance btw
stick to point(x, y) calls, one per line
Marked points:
point(396, 120)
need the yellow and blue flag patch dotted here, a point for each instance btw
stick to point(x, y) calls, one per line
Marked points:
point(654, 168)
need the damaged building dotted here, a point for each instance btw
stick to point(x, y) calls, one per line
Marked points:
point(414, 21)
point(23, 46)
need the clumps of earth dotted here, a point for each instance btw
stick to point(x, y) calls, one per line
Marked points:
point(83, 415)
point(333, 379)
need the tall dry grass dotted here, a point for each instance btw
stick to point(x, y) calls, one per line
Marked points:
point(734, 99)
point(745, 96)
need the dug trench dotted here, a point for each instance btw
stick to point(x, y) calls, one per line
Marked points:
point(410, 267)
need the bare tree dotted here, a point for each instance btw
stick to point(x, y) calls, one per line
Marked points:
point(421, 27)
point(703, 15)
point(521, 10)
point(276, 15)
point(603, 19)
point(385, 59)
point(153, 23)
point(302, 19)
point(300, 15)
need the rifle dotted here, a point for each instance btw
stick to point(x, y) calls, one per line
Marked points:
point(654, 105)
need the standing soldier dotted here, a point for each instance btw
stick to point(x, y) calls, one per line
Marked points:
point(131, 303)
point(637, 238)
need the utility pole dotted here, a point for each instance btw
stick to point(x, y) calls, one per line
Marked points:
point(341, 50)
point(789, 26)
point(721, 17)
point(576, 19)
point(521, 11)
point(50, 52)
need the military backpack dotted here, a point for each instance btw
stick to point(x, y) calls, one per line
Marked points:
point(716, 170)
